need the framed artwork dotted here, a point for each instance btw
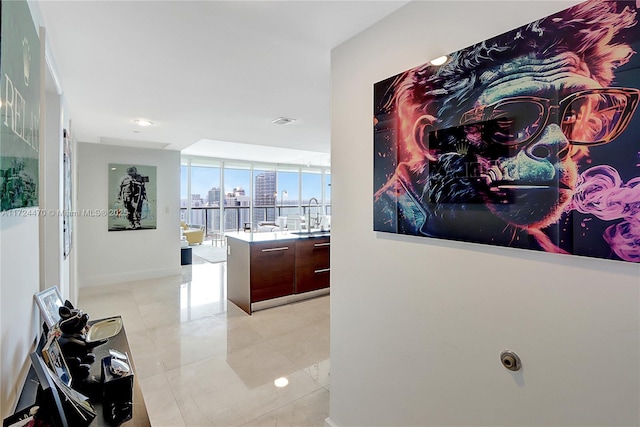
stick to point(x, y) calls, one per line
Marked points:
point(67, 218)
point(20, 82)
point(132, 197)
point(49, 301)
point(525, 140)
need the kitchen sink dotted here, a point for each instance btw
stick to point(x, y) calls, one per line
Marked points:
point(312, 233)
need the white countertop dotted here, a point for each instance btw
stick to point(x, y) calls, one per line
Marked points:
point(271, 236)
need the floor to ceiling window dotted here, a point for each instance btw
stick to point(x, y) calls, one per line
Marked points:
point(237, 199)
point(289, 190)
point(201, 193)
point(234, 195)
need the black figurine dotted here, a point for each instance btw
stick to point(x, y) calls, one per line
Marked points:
point(76, 349)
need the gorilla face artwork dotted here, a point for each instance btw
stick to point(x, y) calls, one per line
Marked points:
point(513, 141)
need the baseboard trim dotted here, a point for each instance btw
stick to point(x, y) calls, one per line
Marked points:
point(128, 277)
point(328, 422)
point(261, 305)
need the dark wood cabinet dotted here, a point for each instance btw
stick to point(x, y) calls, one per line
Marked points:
point(265, 273)
point(272, 270)
point(312, 264)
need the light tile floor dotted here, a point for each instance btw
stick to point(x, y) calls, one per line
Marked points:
point(204, 362)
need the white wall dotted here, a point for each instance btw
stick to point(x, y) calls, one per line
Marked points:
point(19, 281)
point(56, 270)
point(20, 258)
point(20, 274)
point(52, 200)
point(19, 316)
point(110, 257)
point(417, 324)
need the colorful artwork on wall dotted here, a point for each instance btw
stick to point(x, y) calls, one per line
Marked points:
point(20, 124)
point(132, 197)
point(530, 139)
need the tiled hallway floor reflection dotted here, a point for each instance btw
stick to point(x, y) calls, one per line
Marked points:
point(204, 362)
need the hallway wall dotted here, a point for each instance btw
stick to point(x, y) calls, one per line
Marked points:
point(110, 257)
point(417, 324)
point(20, 228)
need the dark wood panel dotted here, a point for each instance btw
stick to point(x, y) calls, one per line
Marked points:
point(312, 264)
point(272, 270)
point(278, 289)
point(311, 278)
point(313, 252)
point(271, 252)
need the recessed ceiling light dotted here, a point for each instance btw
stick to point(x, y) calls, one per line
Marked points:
point(441, 60)
point(283, 121)
point(143, 122)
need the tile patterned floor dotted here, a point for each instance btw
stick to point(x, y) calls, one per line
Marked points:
point(204, 362)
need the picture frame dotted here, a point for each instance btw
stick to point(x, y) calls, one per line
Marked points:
point(454, 142)
point(52, 354)
point(133, 193)
point(49, 301)
point(51, 397)
point(20, 155)
point(67, 218)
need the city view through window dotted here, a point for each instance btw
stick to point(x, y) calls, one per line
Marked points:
point(235, 196)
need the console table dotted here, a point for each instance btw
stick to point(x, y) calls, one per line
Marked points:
point(118, 342)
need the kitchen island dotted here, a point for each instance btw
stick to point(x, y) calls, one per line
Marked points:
point(274, 268)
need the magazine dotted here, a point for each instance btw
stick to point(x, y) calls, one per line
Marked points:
point(78, 401)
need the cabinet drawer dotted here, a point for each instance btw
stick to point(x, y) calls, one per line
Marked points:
point(310, 278)
point(270, 252)
point(313, 252)
point(272, 270)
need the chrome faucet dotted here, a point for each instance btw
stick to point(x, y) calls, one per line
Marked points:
point(309, 213)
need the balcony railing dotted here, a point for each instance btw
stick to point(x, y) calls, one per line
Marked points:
point(237, 218)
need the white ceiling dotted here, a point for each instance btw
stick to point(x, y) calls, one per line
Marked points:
point(209, 74)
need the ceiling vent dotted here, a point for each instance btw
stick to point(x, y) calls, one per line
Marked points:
point(283, 121)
